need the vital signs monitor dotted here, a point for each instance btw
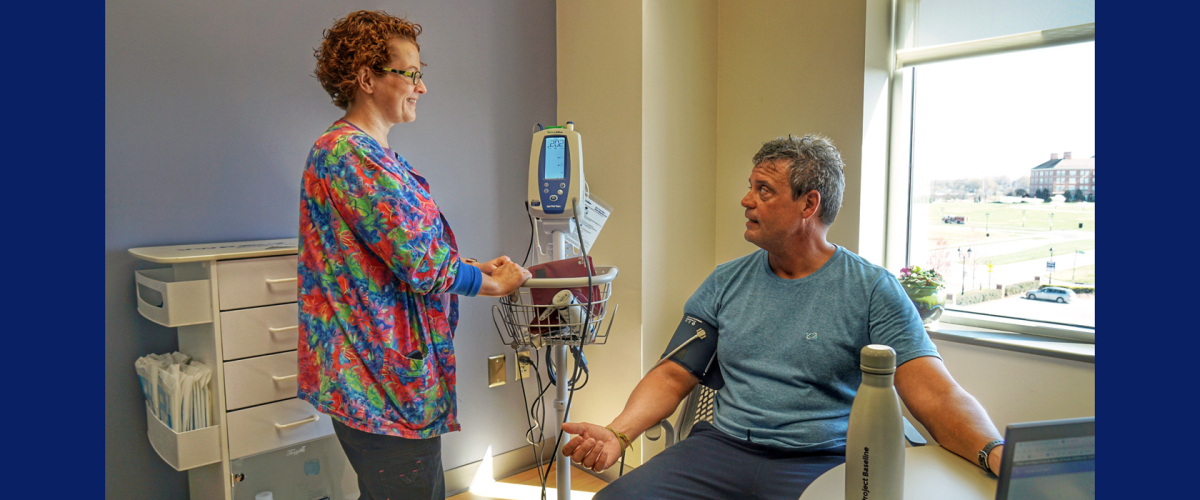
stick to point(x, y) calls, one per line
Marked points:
point(555, 172)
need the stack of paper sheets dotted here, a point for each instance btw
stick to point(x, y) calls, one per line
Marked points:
point(176, 388)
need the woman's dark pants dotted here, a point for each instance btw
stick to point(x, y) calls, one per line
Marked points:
point(394, 468)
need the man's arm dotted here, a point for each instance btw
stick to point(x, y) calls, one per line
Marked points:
point(654, 398)
point(955, 419)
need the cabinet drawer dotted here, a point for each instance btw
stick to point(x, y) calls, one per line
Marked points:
point(254, 381)
point(259, 330)
point(275, 425)
point(256, 282)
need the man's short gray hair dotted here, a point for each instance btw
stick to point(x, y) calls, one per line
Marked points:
point(813, 163)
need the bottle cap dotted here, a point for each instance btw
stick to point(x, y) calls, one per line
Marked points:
point(878, 359)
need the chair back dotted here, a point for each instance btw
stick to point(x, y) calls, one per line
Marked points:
point(697, 407)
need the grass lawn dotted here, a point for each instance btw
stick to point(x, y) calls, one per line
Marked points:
point(1062, 253)
point(954, 235)
point(1000, 216)
point(1083, 274)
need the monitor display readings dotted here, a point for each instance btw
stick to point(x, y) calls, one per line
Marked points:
point(1059, 469)
point(554, 153)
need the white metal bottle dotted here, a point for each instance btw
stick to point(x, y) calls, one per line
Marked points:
point(875, 437)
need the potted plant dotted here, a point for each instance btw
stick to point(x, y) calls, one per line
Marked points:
point(925, 287)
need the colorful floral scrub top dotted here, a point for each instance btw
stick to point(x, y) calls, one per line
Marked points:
point(378, 273)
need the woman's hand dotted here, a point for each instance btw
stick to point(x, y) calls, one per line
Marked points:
point(490, 266)
point(504, 279)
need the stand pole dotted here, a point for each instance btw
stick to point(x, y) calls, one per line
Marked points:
point(562, 463)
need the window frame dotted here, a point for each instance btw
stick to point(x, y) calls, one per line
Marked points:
point(900, 187)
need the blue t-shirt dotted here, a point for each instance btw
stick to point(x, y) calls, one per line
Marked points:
point(788, 349)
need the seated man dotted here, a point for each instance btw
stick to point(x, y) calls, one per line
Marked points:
point(791, 319)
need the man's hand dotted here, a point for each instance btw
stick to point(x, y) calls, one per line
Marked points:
point(490, 266)
point(593, 446)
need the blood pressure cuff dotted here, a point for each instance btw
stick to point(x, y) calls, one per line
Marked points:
point(700, 355)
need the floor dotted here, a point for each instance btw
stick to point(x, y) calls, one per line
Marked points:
point(526, 486)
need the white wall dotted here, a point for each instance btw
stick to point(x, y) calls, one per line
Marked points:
point(599, 88)
point(787, 66)
point(679, 110)
point(638, 80)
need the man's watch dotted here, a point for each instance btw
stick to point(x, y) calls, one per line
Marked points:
point(983, 454)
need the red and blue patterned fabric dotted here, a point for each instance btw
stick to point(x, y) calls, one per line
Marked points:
point(378, 273)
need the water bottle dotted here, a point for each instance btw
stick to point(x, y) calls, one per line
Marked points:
point(875, 438)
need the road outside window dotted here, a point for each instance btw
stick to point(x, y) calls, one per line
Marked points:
point(1000, 144)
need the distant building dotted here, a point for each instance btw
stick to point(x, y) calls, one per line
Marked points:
point(1062, 174)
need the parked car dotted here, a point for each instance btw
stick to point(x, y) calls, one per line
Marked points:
point(954, 219)
point(1060, 295)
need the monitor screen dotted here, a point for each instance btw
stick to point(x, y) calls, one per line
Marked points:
point(1059, 469)
point(554, 153)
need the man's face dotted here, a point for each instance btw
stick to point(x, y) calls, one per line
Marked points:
point(774, 217)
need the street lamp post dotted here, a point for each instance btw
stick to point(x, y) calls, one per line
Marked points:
point(1051, 221)
point(987, 231)
point(1051, 277)
point(974, 268)
point(963, 256)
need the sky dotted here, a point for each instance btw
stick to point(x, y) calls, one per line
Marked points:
point(1004, 114)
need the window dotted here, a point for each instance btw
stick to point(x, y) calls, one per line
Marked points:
point(1011, 110)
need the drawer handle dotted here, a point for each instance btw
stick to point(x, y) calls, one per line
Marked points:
point(282, 328)
point(285, 377)
point(281, 280)
point(297, 423)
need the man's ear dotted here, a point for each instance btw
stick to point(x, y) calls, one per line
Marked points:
point(366, 80)
point(812, 204)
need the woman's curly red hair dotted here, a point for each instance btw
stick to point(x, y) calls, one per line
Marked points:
point(357, 40)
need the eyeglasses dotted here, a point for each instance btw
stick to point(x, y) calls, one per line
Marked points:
point(415, 75)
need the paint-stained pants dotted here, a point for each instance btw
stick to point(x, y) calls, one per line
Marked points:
point(394, 468)
point(710, 464)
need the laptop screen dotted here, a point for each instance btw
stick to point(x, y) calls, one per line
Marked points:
point(1061, 469)
point(1049, 460)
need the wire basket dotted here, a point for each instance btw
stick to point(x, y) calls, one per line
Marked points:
point(521, 322)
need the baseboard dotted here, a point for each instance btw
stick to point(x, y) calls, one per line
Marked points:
point(504, 464)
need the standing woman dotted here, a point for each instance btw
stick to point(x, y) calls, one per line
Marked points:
point(379, 269)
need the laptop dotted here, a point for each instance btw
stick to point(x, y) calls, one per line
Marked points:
point(1053, 459)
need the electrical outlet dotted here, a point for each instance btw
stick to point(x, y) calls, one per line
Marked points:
point(497, 371)
point(524, 370)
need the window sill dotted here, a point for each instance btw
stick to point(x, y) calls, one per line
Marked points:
point(1029, 344)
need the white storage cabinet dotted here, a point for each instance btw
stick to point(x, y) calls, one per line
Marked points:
point(234, 305)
